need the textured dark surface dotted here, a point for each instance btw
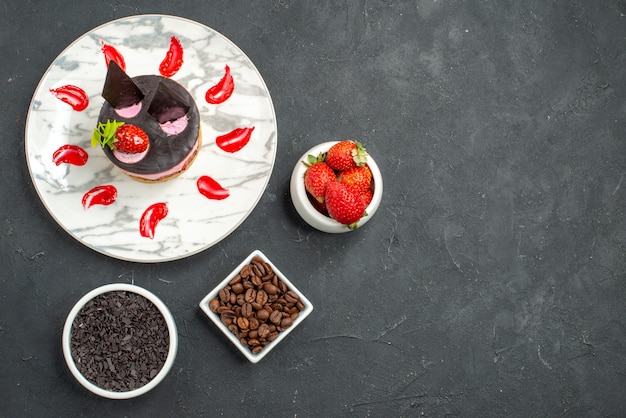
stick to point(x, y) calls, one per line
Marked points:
point(490, 282)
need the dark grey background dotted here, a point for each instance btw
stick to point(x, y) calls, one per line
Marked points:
point(491, 281)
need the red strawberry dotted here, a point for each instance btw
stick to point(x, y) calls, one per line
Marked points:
point(358, 177)
point(346, 154)
point(130, 139)
point(319, 206)
point(120, 136)
point(367, 196)
point(344, 204)
point(317, 176)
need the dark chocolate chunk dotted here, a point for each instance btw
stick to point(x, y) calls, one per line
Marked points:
point(119, 89)
point(167, 105)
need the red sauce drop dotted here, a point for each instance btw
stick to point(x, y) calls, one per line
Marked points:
point(70, 154)
point(173, 59)
point(234, 140)
point(211, 189)
point(151, 218)
point(220, 92)
point(110, 53)
point(73, 96)
point(100, 195)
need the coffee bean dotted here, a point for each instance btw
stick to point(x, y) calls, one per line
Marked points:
point(270, 288)
point(246, 309)
point(214, 305)
point(276, 317)
point(282, 286)
point(291, 296)
point(228, 313)
point(257, 271)
point(223, 308)
point(224, 295)
point(235, 280)
point(264, 267)
point(256, 281)
point(263, 314)
point(286, 322)
point(243, 323)
point(245, 271)
point(264, 331)
point(233, 328)
point(241, 299)
point(257, 349)
point(250, 295)
point(261, 297)
point(238, 288)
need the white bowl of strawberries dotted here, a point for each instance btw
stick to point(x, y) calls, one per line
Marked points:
point(336, 186)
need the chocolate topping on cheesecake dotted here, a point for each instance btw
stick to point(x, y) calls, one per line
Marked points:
point(162, 100)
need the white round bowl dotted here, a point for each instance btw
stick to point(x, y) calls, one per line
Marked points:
point(171, 327)
point(306, 210)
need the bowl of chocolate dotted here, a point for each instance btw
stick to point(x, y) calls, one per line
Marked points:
point(256, 306)
point(336, 186)
point(119, 341)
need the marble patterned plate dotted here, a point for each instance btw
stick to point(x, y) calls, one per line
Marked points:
point(194, 222)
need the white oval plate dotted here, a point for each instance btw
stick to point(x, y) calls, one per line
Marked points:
point(194, 222)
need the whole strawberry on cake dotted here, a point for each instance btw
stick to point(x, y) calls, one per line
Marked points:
point(149, 125)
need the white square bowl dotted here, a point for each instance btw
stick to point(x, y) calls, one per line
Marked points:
point(254, 357)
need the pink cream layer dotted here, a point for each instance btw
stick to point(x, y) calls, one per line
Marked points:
point(176, 126)
point(130, 111)
point(129, 158)
point(177, 168)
